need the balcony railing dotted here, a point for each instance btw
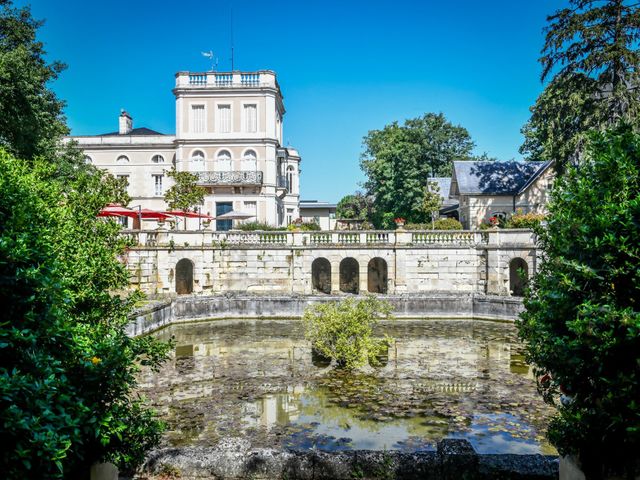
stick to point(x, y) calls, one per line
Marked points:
point(229, 178)
point(263, 78)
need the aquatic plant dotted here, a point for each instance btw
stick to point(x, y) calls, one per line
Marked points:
point(343, 331)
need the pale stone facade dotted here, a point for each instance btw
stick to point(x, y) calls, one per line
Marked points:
point(229, 131)
point(283, 262)
point(322, 213)
point(494, 192)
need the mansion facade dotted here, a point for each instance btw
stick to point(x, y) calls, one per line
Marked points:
point(229, 132)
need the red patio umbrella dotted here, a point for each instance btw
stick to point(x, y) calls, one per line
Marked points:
point(117, 210)
point(147, 214)
point(180, 213)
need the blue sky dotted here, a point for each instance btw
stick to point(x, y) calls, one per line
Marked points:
point(345, 67)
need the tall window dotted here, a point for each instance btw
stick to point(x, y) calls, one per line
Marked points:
point(251, 207)
point(197, 118)
point(157, 185)
point(122, 159)
point(224, 118)
point(157, 159)
point(250, 118)
point(223, 161)
point(197, 157)
point(249, 161)
point(290, 179)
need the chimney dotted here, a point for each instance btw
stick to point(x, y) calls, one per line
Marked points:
point(125, 124)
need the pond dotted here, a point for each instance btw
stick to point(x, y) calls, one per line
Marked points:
point(259, 380)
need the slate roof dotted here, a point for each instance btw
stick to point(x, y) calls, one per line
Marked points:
point(316, 204)
point(444, 183)
point(496, 178)
point(135, 131)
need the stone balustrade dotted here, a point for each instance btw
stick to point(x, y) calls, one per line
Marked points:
point(437, 238)
point(236, 79)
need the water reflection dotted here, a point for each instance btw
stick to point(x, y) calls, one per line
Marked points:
point(260, 380)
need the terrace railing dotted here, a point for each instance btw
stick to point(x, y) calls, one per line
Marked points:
point(396, 238)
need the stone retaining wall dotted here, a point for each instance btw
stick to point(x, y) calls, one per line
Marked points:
point(190, 308)
point(454, 459)
point(283, 262)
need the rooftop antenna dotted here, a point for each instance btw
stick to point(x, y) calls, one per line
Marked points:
point(210, 56)
point(231, 21)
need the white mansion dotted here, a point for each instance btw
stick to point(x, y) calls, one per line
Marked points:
point(228, 131)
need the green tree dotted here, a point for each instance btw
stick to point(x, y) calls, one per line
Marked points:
point(582, 317)
point(343, 331)
point(399, 159)
point(67, 367)
point(31, 119)
point(591, 58)
point(357, 207)
point(185, 194)
point(432, 201)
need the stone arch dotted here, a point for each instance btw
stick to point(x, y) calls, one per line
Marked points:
point(184, 276)
point(377, 275)
point(321, 275)
point(349, 275)
point(518, 276)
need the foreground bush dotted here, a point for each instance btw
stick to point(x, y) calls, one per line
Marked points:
point(343, 331)
point(67, 367)
point(582, 318)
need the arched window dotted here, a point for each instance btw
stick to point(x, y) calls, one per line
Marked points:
point(223, 161)
point(122, 159)
point(157, 159)
point(197, 157)
point(249, 161)
point(88, 160)
point(290, 171)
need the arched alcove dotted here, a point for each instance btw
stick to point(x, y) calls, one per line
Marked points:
point(518, 276)
point(321, 275)
point(184, 277)
point(377, 275)
point(349, 275)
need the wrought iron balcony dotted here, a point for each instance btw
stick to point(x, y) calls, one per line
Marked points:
point(229, 178)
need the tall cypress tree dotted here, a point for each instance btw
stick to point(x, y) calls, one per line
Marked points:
point(591, 60)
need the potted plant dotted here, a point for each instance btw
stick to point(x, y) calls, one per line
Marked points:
point(399, 222)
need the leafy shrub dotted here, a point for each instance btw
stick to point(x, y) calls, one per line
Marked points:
point(447, 224)
point(253, 226)
point(299, 224)
point(67, 366)
point(439, 224)
point(582, 317)
point(524, 220)
point(343, 331)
